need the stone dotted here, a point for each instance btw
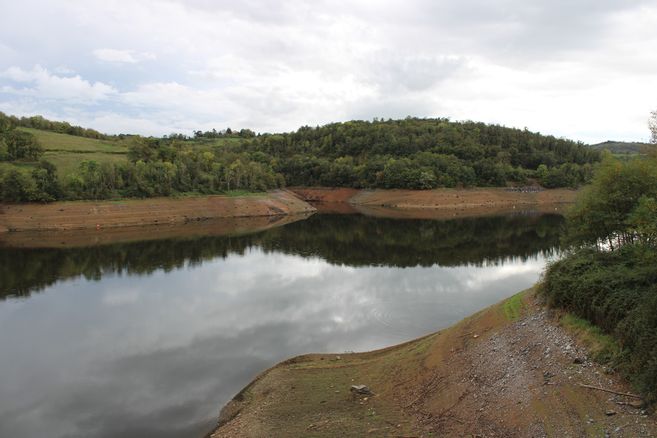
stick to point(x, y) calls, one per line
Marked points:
point(360, 389)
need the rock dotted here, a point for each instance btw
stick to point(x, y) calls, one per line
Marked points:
point(360, 389)
point(610, 413)
point(578, 361)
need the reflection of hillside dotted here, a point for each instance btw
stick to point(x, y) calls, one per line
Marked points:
point(351, 240)
point(366, 241)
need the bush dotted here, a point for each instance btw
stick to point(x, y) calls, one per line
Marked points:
point(617, 291)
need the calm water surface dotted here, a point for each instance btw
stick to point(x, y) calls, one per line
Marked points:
point(152, 338)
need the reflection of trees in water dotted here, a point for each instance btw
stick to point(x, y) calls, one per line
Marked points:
point(339, 239)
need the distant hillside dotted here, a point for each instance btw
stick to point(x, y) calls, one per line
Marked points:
point(622, 147)
point(40, 164)
point(66, 151)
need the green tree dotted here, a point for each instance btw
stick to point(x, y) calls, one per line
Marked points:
point(4, 151)
point(46, 181)
point(22, 146)
point(604, 209)
point(18, 187)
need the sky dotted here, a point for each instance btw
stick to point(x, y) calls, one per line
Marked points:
point(581, 69)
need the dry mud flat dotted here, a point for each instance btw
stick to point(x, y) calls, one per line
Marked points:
point(499, 373)
point(154, 211)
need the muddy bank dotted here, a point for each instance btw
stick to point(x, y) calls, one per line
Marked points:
point(154, 211)
point(107, 236)
point(510, 370)
point(472, 201)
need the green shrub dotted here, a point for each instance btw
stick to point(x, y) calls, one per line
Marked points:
point(616, 291)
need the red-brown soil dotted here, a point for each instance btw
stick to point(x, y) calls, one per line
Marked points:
point(154, 211)
point(325, 194)
point(472, 200)
point(495, 374)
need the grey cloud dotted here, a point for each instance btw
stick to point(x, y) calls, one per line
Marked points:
point(277, 65)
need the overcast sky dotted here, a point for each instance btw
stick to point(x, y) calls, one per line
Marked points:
point(583, 69)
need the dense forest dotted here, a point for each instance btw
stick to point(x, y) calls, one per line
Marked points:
point(411, 153)
point(610, 277)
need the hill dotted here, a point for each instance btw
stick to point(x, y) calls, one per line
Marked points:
point(411, 153)
point(622, 147)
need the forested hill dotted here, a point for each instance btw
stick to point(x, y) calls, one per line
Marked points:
point(37, 163)
point(622, 147)
point(423, 153)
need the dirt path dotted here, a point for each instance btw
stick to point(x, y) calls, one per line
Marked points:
point(153, 211)
point(499, 373)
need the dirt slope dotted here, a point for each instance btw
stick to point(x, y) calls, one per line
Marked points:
point(508, 371)
point(467, 200)
point(134, 212)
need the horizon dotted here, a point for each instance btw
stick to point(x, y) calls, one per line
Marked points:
point(375, 120)
point(582, 71)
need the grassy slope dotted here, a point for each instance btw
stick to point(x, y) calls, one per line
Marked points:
point(66, 151)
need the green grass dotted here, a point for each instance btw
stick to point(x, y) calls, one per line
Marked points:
point(52, 141)
point(67, 162)
point(25, 167)
point(67, 151)
point(512, 307)
point(603, 348)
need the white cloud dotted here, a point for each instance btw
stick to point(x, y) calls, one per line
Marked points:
point(40, 83)
point(581, 69)
point(122, 56)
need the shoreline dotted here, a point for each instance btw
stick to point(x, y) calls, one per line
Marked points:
point(438, 203)
point(85, 237)
point(78, 215)
point(437, 199)
point(509, 370)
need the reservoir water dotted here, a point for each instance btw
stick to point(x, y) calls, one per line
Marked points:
point(151, 338)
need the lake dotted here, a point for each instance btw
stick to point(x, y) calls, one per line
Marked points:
point(152, 338)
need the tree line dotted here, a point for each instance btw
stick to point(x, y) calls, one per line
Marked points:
point(409, 154)
point(39, 122)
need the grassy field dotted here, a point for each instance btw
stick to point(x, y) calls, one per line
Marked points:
point(67, 162)
point(67, 151)
point(52, 141)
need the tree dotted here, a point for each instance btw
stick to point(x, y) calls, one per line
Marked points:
point(18, 187)
point(47, 184)
point(22, 146)
point(4, 151)
point(606, 210)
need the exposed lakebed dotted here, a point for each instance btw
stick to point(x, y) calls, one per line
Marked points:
point(153, 337)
